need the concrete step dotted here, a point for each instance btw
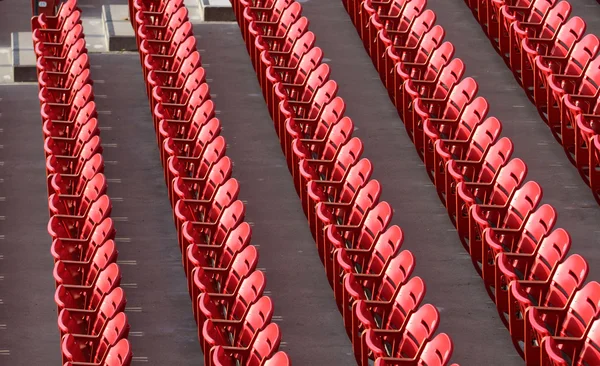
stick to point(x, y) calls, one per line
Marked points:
point(117, 28)
point(216, 11)
point(23, 57)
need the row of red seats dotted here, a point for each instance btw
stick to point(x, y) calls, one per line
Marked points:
point(557, 65)
point(370, 274)
point(91, 319)
point(233, 316)
point(539, 291)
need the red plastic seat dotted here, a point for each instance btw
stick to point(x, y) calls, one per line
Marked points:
point(401, 340)
point(392, 26)
point(88, 297)
point(118, 355)
point(83, 249)
point(369, 260)
point(320, 141)
point(214, 233)
point(209, 209)
point(558, 44)
point(510, 214)
point(65, 78)
point(85, 273)
point(237, 332)
point(382, 286)
point(263, 346)
point(75, 183)
point(218, 256)
point(565, 280)
point(436, 352)
point(579, 95)
point(57, 21)
point(63, 64)
point(224, 280)
point(477, 159)
point(194, 166)
point(80, 227)
point(522, 240)
point(536, 261)
point(445, 106)
point(202, 188)
point(230, 306)
point(416, 59)
point(548, 70)
point(461, 128)
point(84, 348)
point(78, 204)
point(328, 170)
point(79, 321)
point(395, 43)
point(489, 189)
point(348, 213)
point(565, 351)
point(334, 191)
point(59, 49)
point(572, 318)
point(545, 28)
point(56, 35)
point(371, 314)
point(442, 72)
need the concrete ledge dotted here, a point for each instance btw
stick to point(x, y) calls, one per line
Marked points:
point(23, 57)
point(117, 28)
point(216, 11)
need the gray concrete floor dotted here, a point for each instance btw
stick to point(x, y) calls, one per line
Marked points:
point(28, 330)
point(159, 308)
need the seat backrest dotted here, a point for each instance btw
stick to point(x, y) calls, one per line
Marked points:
point(471, 116)
point(438, 351)
point(430, 41)
point(567, 36)
point(591, 78)
point(557, 16)
point(447, 78)
point(524, 201)
point(407, 300)
point(388, 244)
point(374, 222)
point(581, 55)
point(538, 226)
point(539, 10)
point(258, 316)
point(243, 264)
point(420, 327)
point(495, 159)
point(348, 155)
point(590, 353)
point(568, 278)
point(411, 11)
point(583, 310)
point(265, 344)
point(423, 23)
point(396, 274)
point(508, 180)
point(460, 96)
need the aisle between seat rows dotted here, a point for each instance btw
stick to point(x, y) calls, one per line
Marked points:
point(27, 308)
point(310, 322)
point(158, 304)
